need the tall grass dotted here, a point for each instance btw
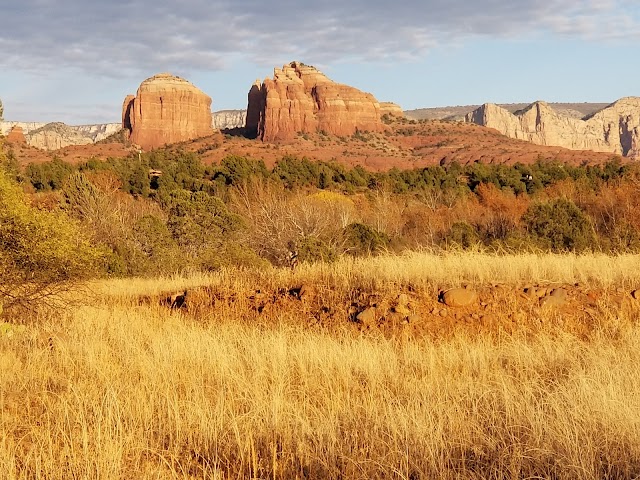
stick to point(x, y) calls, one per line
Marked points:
point(596, 270)
point(137, 392)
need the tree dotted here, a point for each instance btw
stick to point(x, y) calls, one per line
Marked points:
point(559, 225)
point(1, 111)
point(201, 225)
point(42, 254)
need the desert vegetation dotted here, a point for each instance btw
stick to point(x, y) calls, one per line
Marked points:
point(167, 211)
point(353, 364)
point(252, 381)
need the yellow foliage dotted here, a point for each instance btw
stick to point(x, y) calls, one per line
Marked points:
point(333, 198)
point(39, 249)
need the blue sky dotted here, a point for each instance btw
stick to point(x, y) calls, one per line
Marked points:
point(75, 60)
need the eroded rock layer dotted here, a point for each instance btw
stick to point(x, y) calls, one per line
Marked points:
point(614, 129)
point(299, 98)
point(167, 109)
point(390, 108)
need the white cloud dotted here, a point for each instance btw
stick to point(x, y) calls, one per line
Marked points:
point(120, 37)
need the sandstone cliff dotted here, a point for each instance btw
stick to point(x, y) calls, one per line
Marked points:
point(54, 136)
point(299, 98)
point(166, 109)
point(614, 129)
point(229, 119)
point(51, 136)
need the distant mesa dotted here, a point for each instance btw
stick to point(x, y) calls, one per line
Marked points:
point(301, 99)
point(56, 135)
point(166, 109)
point(614, 129)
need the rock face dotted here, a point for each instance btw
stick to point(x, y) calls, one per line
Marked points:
point(166, 109)
point(54, 136)
point(299, 98)
point(390, 108)
point(229, 119)
point(51, 136)
point(614, 129)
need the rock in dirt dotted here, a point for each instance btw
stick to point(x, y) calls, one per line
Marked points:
point(459, 297)
point(368, 316)
point(636, 294)
point(556, 298)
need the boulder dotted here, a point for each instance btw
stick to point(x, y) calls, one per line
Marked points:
point(459, 297)
point(557, 297)
point(301, 99)
point(368, 317)
point(166, 109)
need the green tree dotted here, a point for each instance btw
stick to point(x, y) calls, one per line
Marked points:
point(202, 225)
point(559, 225)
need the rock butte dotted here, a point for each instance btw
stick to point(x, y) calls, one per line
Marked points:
point(614, 129)
point(299, 98)
point(166, 109)
point(16, 136)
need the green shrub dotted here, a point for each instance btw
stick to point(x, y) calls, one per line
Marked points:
point(49, 175)
point(361, 239)
point(462, 235)
point(559, 225)
point(312, 249)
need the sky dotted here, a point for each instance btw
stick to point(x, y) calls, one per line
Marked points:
point(75, 60)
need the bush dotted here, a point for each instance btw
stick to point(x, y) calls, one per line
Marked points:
point(559, 225)
point(361, 239)
point(41, 253)
point(313, 249)
point(462, 235)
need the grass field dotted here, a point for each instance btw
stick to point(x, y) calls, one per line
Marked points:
point(118, 388)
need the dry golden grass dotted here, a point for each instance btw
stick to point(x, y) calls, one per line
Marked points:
point(598, 270)
point(137, 392)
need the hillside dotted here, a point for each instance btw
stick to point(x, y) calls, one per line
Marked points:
point(404, 144)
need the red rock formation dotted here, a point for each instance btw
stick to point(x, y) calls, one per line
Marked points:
point(16, 136)
point(301, 99)
point(166, 109)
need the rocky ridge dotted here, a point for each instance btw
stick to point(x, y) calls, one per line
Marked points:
point(166, 109)
point(55, 135)
point(614, 129)
point(229, 119)
point(457, 113)
point(301, 99)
